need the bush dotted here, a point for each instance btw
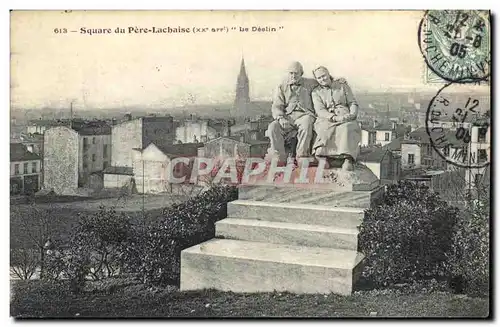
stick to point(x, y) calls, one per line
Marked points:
point(406, 238)
point(96, 249)
point(155, 250)
point(469, 257)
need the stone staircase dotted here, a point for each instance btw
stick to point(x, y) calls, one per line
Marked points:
point(282, 239)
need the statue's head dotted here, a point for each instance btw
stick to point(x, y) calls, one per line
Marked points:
point(295, 72)
point(322, 76)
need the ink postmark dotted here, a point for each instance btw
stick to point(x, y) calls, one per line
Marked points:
point(456, 45)
point(463, 142)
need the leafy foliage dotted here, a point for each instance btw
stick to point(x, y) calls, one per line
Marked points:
point(154, 252)
point(407, 236)
point(95, 250)
point(470, 256)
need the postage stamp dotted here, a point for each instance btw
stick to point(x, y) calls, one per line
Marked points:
point(456, 45)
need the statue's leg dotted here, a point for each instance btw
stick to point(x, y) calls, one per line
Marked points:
point(349, 137)
point(305, 135)
point(275, 133)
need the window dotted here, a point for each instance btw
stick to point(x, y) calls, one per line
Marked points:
point(25, 167)
point(93, 157)
point(85, 161)
point(33, 167)
point(477, 179)
point(16, 169)
point(105, 150)
point(482, 135)
point(411, 159)
point(85, 143)
point(483, 156)
point(387, 136)
point(93, 140)
point(372, 138)
point(104, 164)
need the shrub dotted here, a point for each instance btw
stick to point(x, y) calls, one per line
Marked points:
point(406, 238)
point(154, 253)
point(96, 249)
point(469, 257)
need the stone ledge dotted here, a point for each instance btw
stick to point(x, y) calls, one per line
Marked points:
point(241, 266)
point(287, 233)
point(296, 213)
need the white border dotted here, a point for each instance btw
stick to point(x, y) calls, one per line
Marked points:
point(190, 4)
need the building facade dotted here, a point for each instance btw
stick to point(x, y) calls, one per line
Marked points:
point(76, 157)
point(152, 169)
point(138, 133)
point(193, 131)
point(24, 170)
point(233, 147)
point(480, 154)
point(417, 152)
point(383, 163)
point(378, 135)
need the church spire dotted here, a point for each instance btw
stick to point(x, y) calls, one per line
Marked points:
point(242, 97)
point(243, 71)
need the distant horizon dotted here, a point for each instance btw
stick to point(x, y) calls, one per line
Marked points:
point(230, 104)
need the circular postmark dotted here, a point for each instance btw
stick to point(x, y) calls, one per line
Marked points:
point(456, 44)
point(458, 129)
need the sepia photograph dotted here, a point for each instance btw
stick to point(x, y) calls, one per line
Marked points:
point(250, 164)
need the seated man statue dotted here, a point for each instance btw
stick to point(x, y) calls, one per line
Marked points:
point(293, 114)
point(338, 132)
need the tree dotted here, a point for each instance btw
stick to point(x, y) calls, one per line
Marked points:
point(32, 226)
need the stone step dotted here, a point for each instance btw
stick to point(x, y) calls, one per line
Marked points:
point(287, 233)
point(342, 217)
point(285, 194)
point(242, 266)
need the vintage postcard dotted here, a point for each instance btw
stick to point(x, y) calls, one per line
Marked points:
point(250, 163)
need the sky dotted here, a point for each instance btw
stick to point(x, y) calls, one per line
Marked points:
point(375, 51)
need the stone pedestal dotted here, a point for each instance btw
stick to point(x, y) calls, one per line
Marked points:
point(335, 179)
point(296, 237)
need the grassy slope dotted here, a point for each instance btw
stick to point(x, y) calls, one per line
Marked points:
point(137, 301)
point(64, 215)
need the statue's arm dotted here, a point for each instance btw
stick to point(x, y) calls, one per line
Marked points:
point(351, 102)
point(278, 106)
point(320, 107)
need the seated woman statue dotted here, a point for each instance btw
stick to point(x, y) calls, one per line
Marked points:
point(338, 132)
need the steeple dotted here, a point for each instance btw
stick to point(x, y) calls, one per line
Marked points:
point(242, 97)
